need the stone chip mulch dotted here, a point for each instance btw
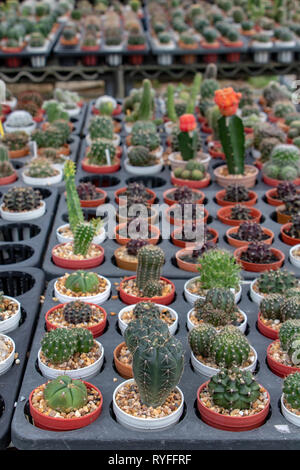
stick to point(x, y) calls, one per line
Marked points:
point(77, 361)
point(8, 308)
point(56, 318)
point(270, 323)
point(64, 291)
point(129, 286)
point(165, 315)
point(279, 355)
point(6, 348)
point(239, 319)
point(210, 363)
point(65, 251)
point(125, 356)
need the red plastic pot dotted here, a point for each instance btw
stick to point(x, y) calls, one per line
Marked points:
point(19, 153)
point(210, 58)
point(192, 267)
point(287, 238)
point(233, 57)
point(136, 59)
point(120, 191)
point(258, 268)
point(206, 129)
point(8, 179)
point(277, 368)
point(274, 182)
point(115, 112)
point(270, 198)
point(125, 370)
point(231, 423)
point(123, 241)
point(131, 299)
point(96, 330)
point(238, 243)
point(184, 244)
point(168, 199)
point(190, 183)
point(223, 215)
point(100, 169)
point(95, 202)
point(49, 423)
point(13, 62)
point(180, 222)
point(89, 60)
point(266, 330)
point(78, 264)
point(220, 199)
point(215, 150)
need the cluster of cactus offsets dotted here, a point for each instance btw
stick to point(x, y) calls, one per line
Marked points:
point(22, 199)
point(66, 395)
point(285, 190)
point(291, 390)
point(82, 281)
point(144, 327)
point(146, 310)
point(236, 193)
point(208, 88)
point(87, 191)
point(101, 127)
point(282, 108)
point(270, 307)
point(219, 269)
point(258, 252)
point(77, 312)
point(99, 148)
point(150, 261)
point(61, 344)
point(83, 237)
point(40, 168)
point(134, 245)
point(140, 156)
point(276, 282)
point(192, 171)
point(266, 130)
point(284, 163)
point(239, 212)
point(6, 168)
point(218, 308)
point(73, 202)
point(234, 389)
point(157, 365)
point(275, 92)
point(250, 231)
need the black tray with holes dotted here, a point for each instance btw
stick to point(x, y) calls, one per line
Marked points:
point(190, 433)
point(26, 285)
point(22, 243)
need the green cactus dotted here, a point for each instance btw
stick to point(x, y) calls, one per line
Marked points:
point(276, 282)
point(145, 108)
point(150, 261)
point(200, 339)
point(171, 112)
point(188, 144)
point(59, 345)
point(294, 349)
point(140, 156)
point(6, 168)
point(216, 316)
point(40, 168)
point(82, 281)
point(84, 339)
point(285, 154)
point(73, 202)
point(195, 90)
point(220, 298)
point(65, 394)
point(208, 88)
point(230, 347)
point(270, 307)
point(98, 152)
point(219, 269)
point(152, 289)
point(142, 328)
point(290, 308)
point(157, 368)
point(101, 127)
point(19, 199)
point(180, 107)
point(77, 312)
point(287, 330)
point(146, 310)
point(291, 390)
point(144, 135)
point(83, 237)
point(234, 389)
point(213, 115)
point(282, 108)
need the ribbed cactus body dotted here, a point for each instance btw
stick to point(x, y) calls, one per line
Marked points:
point(220, 298)
point(83, 236)
point(59, 345)
point(82, 281)
point(270, 306)
point(98, 152)
point(143, 328)
point(20, 199)
point(157, 368)
point(287, 330)
point(145, 108)
point(230, 347)
point(65, 394)
point(85, 340)
point(291, 390)
point(291, 308)
point(146, 310)
point(171, 112)
point(278, 282)
point(200, 339)
point(152, 289)
point(140, 156)
point(150, 261)
point(208, 88)
point(101, 127)
point(3, 154)
point(77, 312)
point(73, 202)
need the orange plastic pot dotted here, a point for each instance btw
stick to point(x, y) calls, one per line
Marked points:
point(120, 191)
point(184, 264)
point(184, 244)
point(220, 199)
point(125, 370)
point(190, 183)
point(100, 168)
point(273, 182)
point(277, 368)
point(125, 264)
point(270, 198)
point(50, 423)
point(215, 150)
point(8, 179)
point(238, 243)
point(19, 153)
point(282, 218)
point(168, 199)
point(287, 238)
point(231, 423)
point(95, 202)
point(96, 330)
point(266, 330)
point(223, 215)
point(256, 267)
point(175, 221)
point(78, 264)
point(123, 241)
point(132, 299)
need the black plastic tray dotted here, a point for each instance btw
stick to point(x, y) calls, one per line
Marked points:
point(190, 433)
point(26, 285)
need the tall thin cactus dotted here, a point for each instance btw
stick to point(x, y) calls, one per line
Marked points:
point(73, 202)
point(171, 104)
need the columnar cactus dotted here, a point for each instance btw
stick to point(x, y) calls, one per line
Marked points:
point(6, 168)
point(59, 345)
point(200, 339)
point(142, 328)
point(77, 312)
point(73, 202)
point(234, 389)
point(150, 261)
point(291, 390)
point(65, 394)
point(21, 199)
point(157, 368)
point(171, 112)
point(276, 282)
point(230, 347)
point(82, 281)
point(83, 237)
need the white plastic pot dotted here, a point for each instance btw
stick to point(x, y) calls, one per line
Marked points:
point(242, 327)
point(48, 181)
point(143, 170)
point(98, 239)
point(38, 61)
point(295, 261)
point(145, 424)
point(21, 216)
point(11, 323)
point(255, 296)
point(97, 299)
point(29, 129)
point(191, 298)
point(123, 325)
point(261, 57)
point(202, 369)
point(165, 59)
point(128, 127)
point(105, 99)
point(73, 112)
point(202, 157)
point(289, 416)
point(8, 362)
point(114, 60)
point(83, 373)
point(169, 126)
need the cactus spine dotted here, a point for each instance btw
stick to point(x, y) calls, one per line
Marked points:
point(150, 261)
point(171, 104)
point(65, 394)
point(73, 201)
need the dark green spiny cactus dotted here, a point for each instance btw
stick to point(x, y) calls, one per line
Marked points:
point(200, 339)
point(83, 237)
point(270, 307)
point(75, 212)
point(146, 310)
point(291, 390)
point(85, 340)
point(220, 298)
point(77, 312)
point(65, 394)
point(59, 345)
point(140, 156)
point(143, 328)
point(287, 330)
point(150, 261)
point(152, 289)
point(230, 347)
point(290, 308)
point(82, 281)
point(22, 199)
point(276, 282)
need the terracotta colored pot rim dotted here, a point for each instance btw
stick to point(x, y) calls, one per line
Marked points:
point(220, 199)
point(123, 263)
point(238, 243)
point(8, 179)
point(287, 238)
point(95, 202)
point(124, 241)
point(19, 153)
point(253, 267)
point(131, 299)
point(186, 266)
point(274, 182)
point(171, 201)
point(266, 330)
point(224, 212)
point(100, 169)
point(122, 190)
point(191, 183)
point(184, 244)
point(276, 367)
point(78, 264)
point(124, 370)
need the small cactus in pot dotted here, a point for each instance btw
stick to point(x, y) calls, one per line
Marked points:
point(64, 394)
point(150, 261)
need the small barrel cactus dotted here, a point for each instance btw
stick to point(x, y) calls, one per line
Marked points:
point(234, 389)
point(276, 282)
point(287, 330)
point(99, 150)
point(220, 298)
point(270, 307)
point(236, 193)
point(101, 127)
point(208, 88)
point(291, 390)
point(290, 308)
point(230, 347)
point(82, 281)
point(142, 328)
point(150, 261)
point(59, 345)
point(85, 340)
point(200, 339)
point(20, 199)
point(140, 156)
point(40, 168)
point(77, 312)
point(216, 316)
point(64, 394)
point(146, 310)
point(152, 289)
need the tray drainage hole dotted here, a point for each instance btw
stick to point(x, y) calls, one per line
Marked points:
point(149, 181)
point(2, 405)
point(27, 413)
point(44, 192)
point(273, 216)
point(118, 329)
point(36, 365)
point(23, 316)
point(101, 181)
point(15, 254)
point(15, 283)
point(17, 165)
point(18, 232)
